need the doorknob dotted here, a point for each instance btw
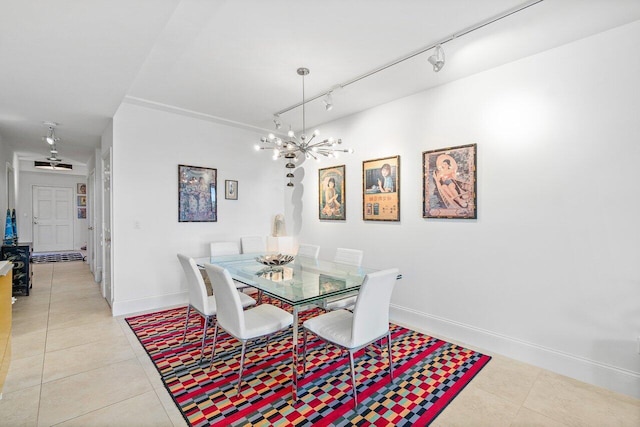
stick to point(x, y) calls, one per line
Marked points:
point(35, 222)
point(90, 228)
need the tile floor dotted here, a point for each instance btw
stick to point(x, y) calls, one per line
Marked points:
point(73, 364)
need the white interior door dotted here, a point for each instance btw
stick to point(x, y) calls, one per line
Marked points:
point(106, 228)
point(91, 253)
point(52, 219)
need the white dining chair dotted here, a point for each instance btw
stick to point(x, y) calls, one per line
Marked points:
point(351, 257)
point(368, 323)
point(257, 322)
point(199, 301)
point(309, 251)
point(217, 249)
point(253, 245)
point(223, 248)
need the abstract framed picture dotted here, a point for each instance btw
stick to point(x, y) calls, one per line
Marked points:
point(231, 190)
point(82, 200)
point(381, 189)
point(331, 193)
point(81, 188)
point(449, 183)
point(82, 213)
point(197, 201)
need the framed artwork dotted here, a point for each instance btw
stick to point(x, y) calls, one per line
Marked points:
point(82, 213)
point(82, 200)
point(197, 200)
point(449, 186)
point(231, 190)
point(81, 188)
point(331, 193)
point(381, 189)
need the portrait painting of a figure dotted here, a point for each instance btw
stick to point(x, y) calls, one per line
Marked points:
point(381, 189)
point(197, 194)
point(450, 182)
point(331, 193)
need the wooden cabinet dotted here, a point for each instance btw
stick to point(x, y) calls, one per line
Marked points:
point(20, 256)
point(5, 320)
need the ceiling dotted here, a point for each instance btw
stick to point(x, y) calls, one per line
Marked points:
point(74, 61)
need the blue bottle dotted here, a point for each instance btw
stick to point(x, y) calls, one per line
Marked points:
point(8, 230)
point(15, 227)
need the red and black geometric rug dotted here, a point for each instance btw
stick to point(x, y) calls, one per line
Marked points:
point(428, 373)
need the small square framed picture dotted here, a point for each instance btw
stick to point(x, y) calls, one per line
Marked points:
point(230, 190)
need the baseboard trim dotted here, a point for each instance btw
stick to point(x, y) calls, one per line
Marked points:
point(580, 368)
point(120, 308)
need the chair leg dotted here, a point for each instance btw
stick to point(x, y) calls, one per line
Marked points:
point(213, 347)
point(244, 347)
point(304, 351)
point(204, 336)
point(186, 323)
point(353, 380)
point(389, 353)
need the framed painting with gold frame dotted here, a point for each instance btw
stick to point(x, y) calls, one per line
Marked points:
point(381, 189)
point(331, 194)
point(449, 182)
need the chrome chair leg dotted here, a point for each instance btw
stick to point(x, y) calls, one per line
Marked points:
point(204, 336)
point(389, 353)
point(244, 347)
point(186, 323)
point(353, 380)
point(304, 351)
point(213, 347)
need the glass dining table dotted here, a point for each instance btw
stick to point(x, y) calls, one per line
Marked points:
point(301, 283)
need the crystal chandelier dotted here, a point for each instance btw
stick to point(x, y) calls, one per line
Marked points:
point(296, 147)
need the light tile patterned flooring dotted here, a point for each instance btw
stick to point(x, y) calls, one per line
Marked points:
point(73, 364)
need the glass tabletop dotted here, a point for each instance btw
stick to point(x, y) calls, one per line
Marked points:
point(302, 281)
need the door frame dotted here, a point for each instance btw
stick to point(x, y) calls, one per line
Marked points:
point(107, 228)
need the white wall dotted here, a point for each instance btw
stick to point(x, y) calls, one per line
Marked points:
point(549, 272)
point(24, 212)
point(148, 146)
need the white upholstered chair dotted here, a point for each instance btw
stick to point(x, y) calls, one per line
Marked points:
point(309, 251)
point(253, 245)
point(351, 257)
point(226, 248)
point(368, 323)
point(223, 248)
point(200, 301)
point(262, 320)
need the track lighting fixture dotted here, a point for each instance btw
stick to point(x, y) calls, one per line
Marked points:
point(328, 102)
point(276, 121)
point(437, 59)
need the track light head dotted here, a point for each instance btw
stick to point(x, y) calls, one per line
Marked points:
point(328, 102)
point(276, 121)
point(437, 59)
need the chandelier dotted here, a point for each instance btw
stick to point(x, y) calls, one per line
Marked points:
point(53, 161)
point(295, 147)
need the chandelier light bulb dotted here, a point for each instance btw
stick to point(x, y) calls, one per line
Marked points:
point(276, 153)
point(271, 136)
point(291, 134)
point(316, 132)
point(257, 147)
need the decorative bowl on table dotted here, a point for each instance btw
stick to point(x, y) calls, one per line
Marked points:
point(275, 260)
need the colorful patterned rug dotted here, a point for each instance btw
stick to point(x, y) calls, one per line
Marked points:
point(429, 373)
